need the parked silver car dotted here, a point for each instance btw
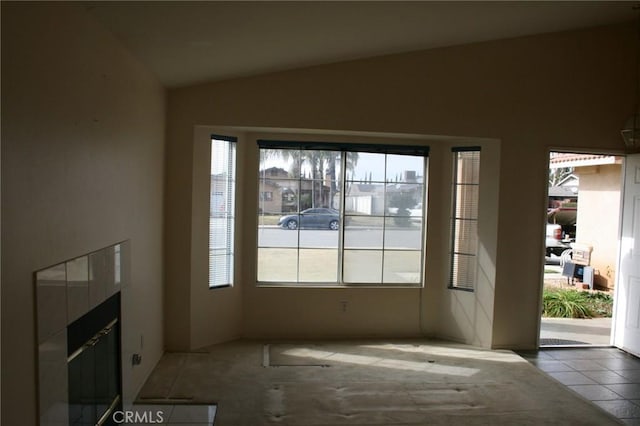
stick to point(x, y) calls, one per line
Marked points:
point(322, 218)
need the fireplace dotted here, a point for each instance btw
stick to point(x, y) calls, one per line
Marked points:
point(79, 327)
point(93, 364)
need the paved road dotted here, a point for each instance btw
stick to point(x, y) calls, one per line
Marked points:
point(353, 238)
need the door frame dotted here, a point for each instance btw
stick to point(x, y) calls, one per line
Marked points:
point(577, 150)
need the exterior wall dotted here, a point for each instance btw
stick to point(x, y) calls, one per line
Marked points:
point(82, 168)
point(598, 221)
point(533, 94)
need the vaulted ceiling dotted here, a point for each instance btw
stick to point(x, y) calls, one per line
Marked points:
point(190, 42)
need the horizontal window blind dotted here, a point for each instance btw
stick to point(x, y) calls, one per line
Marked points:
point(419, 150)
point(222, 211)
point(464, 219)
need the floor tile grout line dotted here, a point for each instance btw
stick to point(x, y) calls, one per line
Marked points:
point(628, 362)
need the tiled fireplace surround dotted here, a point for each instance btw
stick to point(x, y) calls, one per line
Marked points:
point(64, 293)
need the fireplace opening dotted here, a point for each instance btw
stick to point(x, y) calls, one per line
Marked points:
point(94, 365)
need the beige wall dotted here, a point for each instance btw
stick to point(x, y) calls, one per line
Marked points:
point(598, 220)
point(214, 315)
point(558, 90)
point(82, 168)
point(270, 312)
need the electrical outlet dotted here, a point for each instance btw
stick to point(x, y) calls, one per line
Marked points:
point(343, 305)
point(136, 359)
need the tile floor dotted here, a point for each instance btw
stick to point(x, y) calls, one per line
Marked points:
point(608, 377)
point(173, 415)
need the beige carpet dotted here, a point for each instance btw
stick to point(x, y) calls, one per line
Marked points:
point(366, 383)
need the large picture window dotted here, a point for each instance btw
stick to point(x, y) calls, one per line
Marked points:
point(464, 218)
point(341, 214)
point(222, 211)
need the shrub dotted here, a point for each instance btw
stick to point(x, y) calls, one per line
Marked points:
point(600, 303)
point(563, 303)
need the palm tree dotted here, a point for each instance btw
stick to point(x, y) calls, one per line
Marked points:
point(317, 162)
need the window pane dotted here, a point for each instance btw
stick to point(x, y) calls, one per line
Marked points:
point(277, 265)
point(366, 167)
point(402, 267)
point(221, 212)
point(467, 201)
point(304, 197)
point(272, 236)
point(464, 221)
point(405, 169)
point(220, 237)
point(220, 272)
point(362, 266)
point(283, 198)
point(403, 235)
point(466, 240)
point(404, 199)
point(319, 238)
point(468, 167)
point(364, 199)
point(463, 273)
point(318, 265)
point(364, 232)
point(276, 163)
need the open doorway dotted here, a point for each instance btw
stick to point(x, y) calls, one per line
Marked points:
point(582, 244)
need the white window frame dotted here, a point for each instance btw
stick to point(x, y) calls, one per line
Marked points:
point(222, 215)
point(417, 150)
point(468, 269)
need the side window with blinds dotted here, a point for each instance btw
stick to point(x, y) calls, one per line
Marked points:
point(464, 218)
point(222, 211)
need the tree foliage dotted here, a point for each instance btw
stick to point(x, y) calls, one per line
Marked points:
point(556, 176)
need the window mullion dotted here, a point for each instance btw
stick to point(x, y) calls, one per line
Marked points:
point(343, 191)
point(299, 208)
point(364, 203)
point(384, 219)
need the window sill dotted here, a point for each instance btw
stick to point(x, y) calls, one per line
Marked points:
point(216, 287)
point(337, 286)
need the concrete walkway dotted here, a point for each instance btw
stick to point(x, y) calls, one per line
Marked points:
point(570, 331)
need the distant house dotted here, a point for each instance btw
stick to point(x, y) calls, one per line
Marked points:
point(281, 193)
point(218, 194)
point(378, 198)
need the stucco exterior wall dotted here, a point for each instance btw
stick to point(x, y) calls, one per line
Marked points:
point(598, 220)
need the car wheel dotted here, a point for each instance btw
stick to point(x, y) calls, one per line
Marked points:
point(333, 225)
point(292, 224)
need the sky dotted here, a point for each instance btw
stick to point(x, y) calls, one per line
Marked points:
point(368, 165)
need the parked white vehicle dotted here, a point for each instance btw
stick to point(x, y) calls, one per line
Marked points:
point(555, 242)
point(415, 214)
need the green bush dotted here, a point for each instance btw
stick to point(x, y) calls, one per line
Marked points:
point(561, 303)
point(569, 303)
point(600, 303)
